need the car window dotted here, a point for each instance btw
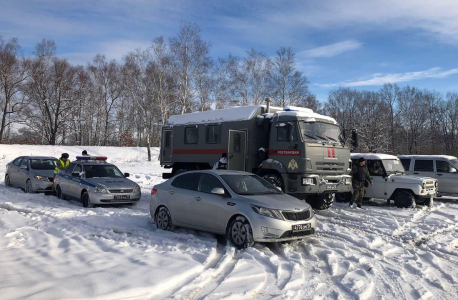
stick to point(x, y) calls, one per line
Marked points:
point(70, 168)
point(249, 185)
point(212, 135)
point(208, 183)
point(282, 132)
point(25, 162)
point(191, 135)
point(423, 165)
point(78, 169)
point(443, 166)
point(43, 164)
point(102, 171)
point(17, 162)
point(406, 163)
point(187, 181)
point(375, 168)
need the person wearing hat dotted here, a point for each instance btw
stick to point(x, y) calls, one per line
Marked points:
point(222, 163)
point(84, 153)
point(62, 163)
point(359, 175)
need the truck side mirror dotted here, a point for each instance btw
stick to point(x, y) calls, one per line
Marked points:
point(290, 132)
point(354, 138)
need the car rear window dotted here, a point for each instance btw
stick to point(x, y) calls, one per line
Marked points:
point(187, 181)
point(406, 163)
point(423, 165)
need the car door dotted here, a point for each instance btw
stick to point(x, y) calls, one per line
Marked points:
point(377, 173)
point(14, 170)
point(73, 184)
point(212, 211)
point(448, 180)
point(424, 168)
point(66, 179)
point(23, 172)
point(182, 197)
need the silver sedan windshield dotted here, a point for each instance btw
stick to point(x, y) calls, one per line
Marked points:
point(249, 185)
point(43, 164)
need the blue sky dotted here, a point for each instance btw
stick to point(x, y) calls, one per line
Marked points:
point(353, 43)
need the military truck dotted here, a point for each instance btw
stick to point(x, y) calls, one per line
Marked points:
point(296, 149)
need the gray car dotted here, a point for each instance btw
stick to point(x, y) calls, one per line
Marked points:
point(32, 173)
point(94, 181)
point(241, 205)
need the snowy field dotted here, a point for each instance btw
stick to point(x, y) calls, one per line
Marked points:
point(56, 249)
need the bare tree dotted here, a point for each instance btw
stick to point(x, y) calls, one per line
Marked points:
point(190, 55)
point(12, 76)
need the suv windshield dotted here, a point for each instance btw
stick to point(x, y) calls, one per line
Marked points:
point(393, 166)
point(320, 131)
point(102, 171)
point(249, 185)
point(43, 164)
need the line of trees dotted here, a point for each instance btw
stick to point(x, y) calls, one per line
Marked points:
point(124, 103)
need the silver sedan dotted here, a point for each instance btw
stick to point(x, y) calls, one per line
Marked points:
point(32, 173)
point(241, 205)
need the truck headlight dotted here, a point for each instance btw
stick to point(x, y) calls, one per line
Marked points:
point(101, 189)
point(308, 181)
point(42, 178)
point(137, 189)
point(271, 213)
point(347, 180)
point(424, 185)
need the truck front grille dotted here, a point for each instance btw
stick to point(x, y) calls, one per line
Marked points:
point(330, 166)
point(429, 185)
point(296, 216)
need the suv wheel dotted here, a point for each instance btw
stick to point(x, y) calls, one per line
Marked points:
point(320, 202)
point(343, 197)
point(86, 201)
point(240, 233)
point(404, 199)
point(163, 219)
point(275, 179)
point(7, 180)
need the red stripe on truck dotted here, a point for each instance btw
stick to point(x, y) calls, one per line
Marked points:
point(199, 151)
point(284, 152)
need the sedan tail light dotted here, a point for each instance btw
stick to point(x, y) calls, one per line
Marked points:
point(153, 191)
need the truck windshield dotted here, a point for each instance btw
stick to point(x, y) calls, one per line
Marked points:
point(43, 164)
point(249, 185)
point(102, 171)
point(393, 166)
point(320, 131)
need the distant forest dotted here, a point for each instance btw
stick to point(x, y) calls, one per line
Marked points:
point(124, 103)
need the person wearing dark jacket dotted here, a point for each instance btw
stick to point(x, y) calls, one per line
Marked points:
point(359, 175)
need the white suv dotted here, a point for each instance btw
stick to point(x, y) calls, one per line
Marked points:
point(443, 168)
point(392, 183)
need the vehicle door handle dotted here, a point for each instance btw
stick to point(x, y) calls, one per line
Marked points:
point(171, 192)
point(440, 174)
point(231, 203)
point(416, 173)
point(197, 198)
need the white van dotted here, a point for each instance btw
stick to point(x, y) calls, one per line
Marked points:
point(443, 168)
point(392, 183)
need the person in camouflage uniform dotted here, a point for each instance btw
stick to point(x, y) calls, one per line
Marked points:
point(359, 175)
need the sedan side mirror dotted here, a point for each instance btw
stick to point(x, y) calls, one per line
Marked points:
point(24, 167)
point(76, 174)
point(452, 170)
point(126, 174)
point(218, 191)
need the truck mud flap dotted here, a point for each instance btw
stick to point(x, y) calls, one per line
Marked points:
point(167, 175)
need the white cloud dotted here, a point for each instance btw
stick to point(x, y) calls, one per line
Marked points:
point(381, 79)
point(331, 50)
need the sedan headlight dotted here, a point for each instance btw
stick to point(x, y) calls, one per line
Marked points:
point(43, 178)
point(101, 189)
point(137, 189)
point(271, 213)
point(308, 181)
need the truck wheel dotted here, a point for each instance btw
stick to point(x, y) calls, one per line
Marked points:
point(343, 197)
point(320, 202)
point(240, 233)
point(275, 179)
point(404, 199)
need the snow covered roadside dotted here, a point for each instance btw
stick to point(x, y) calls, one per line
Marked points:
point(55, 249)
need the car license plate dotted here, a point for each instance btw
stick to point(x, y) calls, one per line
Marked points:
point(301, 227)
point(122, 197)
point(331, 187)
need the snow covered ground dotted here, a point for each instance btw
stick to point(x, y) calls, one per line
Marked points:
point(56, 249)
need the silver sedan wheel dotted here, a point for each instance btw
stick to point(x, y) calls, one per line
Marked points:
point(238, 233)
point(162, 220)
point(7, 180)
point(28, 187)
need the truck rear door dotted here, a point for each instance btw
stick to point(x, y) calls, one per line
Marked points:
point(237, 150)
point(166, 154)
